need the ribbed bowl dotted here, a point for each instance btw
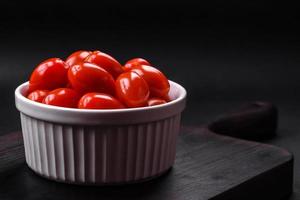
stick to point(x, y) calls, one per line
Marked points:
point(100, 146)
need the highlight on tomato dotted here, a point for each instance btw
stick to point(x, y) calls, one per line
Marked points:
point(88, 77)
point(135, 62)
point(63, 97)
point(155, 101)
point(158, 83)
point(132, 89)
point(77, 57)
point(49, 75)
point(99, 101)
point(96, 80)
point(38, 95)
point(105, 61)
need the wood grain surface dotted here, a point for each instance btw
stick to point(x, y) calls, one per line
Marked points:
point(208, 166)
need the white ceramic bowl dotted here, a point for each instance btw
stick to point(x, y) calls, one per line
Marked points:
point(100, 146)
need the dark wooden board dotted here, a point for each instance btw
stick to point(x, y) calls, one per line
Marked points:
point(208, 166)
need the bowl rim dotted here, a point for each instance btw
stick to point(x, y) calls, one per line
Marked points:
point(68, 115)
point(20, 96)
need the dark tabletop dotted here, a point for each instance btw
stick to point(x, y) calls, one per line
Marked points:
point(223, 61)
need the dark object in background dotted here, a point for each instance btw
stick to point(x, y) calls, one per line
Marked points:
point(253, 121)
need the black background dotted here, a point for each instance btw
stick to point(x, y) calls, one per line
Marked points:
point(223, 52)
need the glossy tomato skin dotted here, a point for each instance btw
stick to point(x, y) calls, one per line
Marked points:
point(99, 101)
point(158, 83)
point(77, 57)
point(88, 77)
point(69, 85)
point(132, 89)
point(105, 61)
point(155, 101)
point(63, 97)
point(167, 97)
point(135, 62)
point(50, 74)
point(38, 95)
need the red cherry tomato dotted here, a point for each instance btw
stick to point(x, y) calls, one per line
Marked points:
point(158, 84)
point(38, 95)
point(167, 98)
point(99, 101)
point(155, 101)
point(69, 85)
point(48, 75)
point(132, 89)
point(135, 62)
point(77, 57)
point(106, 62)
point(88, 77)
point(63, 97)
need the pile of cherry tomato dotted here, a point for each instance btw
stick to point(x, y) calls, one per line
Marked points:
point(95, 80)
